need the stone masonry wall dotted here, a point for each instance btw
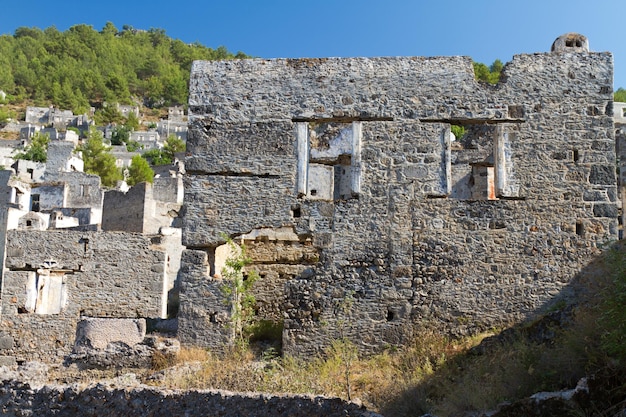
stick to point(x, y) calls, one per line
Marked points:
point(125, 211)
point(53, 278)
point(409, 229)
point(19, 399)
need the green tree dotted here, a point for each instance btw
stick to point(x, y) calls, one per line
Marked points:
point(98, 159)
point(238, 290)
point(132, 122)
point(173, 145)
point(120, 135)
point(109, 29)
point(489, 74)
point(133, 146)
point(37, 149)
point(458, 131)
point(5, 115)
point(63, 68)
point(139, 171)
point(155, 157)
point(620, 95)
point(165, 156)
point(109, 114)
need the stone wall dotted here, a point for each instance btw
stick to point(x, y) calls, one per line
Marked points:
point(83, 191)
point(168, 189)
point(54, 278)
point(61, 158)
point(144, 208)
point(620, 137)
point(125, 210)
point(19, 399)
point(408, 229)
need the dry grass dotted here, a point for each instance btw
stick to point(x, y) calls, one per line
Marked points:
point(436, 374)
point(9, 135)
point(376, 380)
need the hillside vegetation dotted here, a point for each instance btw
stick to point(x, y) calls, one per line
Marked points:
point(83, 67)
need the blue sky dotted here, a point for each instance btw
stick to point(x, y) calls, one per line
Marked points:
point(484, 30)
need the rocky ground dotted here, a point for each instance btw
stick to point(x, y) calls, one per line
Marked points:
point(26, 391)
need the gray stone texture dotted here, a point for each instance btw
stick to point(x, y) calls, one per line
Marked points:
point(204, 316)
point(21, 399)
point(416, 245)
point(125, 211)
point(144, 208)
point(98, 333)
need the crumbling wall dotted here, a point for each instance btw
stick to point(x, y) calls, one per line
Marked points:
point(168, 189)
point(70, 190)
point(620, 138)
point(144, 208)
point(125, 210)
point(408, 229)
point(53, 278)
point(84, 191)
point(20, 399)
point(61, 158)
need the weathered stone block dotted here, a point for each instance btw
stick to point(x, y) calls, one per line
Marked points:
point(97, 333)
point(605, 210)
point(7, 361)
point(6, 342)
point(602, 174)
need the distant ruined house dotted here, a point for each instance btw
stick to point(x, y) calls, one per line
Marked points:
point(77, 272)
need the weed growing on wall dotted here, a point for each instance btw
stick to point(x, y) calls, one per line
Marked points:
point(238, 290)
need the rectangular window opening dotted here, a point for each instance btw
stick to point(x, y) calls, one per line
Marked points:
point(481, 164)
point(46, 292)
point(34, 204)
point(580, 230)
point(329, 161)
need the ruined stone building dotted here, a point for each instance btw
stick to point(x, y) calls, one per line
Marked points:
point(54, 117)
point(153, 210)
point(56, 279)
point(78, 259)
point(363, 216)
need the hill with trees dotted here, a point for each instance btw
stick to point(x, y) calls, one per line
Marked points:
point(82, 67)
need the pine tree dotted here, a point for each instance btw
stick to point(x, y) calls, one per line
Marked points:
point(139, 171)
point(98, 159)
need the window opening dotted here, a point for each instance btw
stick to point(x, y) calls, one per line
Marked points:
point(580, 230)
point(34, 205)
point(46, 292)
point(329, 159)
point(481, 164)
point(390, 315)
